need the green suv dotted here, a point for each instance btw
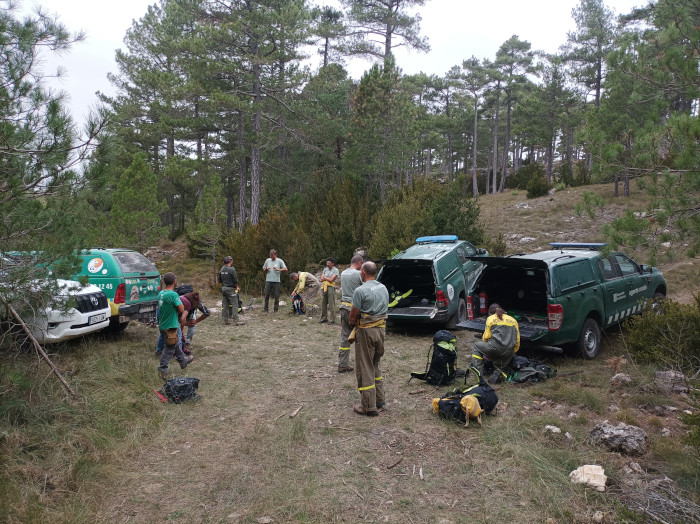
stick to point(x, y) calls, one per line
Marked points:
point(565, 295)
point(130, 281)
point(428, 282)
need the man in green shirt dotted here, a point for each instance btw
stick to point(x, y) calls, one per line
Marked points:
point(370, 303)
point(171, 314)
point(328, 280)
point(272, 268)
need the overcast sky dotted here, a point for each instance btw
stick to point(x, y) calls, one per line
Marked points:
point(456, 29)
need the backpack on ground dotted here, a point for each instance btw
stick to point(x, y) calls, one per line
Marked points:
point(451, 407)
point(441, 368)
point(298, 307)
point(533, 372)
point(181, 389)
point(184, 289)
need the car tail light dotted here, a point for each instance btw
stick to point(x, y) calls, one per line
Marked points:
point(441, 299)
point(470, 307)
point(555, 316)
point(483, 302)
point(120, 295)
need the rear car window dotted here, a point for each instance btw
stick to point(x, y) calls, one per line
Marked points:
point(575, 274)
point(134, 263)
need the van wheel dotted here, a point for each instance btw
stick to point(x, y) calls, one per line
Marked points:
point(459, 316)
point(588, 344)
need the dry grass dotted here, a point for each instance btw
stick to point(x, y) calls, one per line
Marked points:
point(237, 456)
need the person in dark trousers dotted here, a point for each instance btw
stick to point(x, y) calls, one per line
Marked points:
point(350, 280)
point(370, 303)
point(272, 268)
point(500, 342)
point(193, 303)
point(171, 313)
point(229, 291)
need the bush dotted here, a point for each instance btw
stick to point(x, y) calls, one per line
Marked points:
point(426, 208)
point(496, 246)
point(561, 186)
point(667, 334)
point(537, 186)
point(522, 177)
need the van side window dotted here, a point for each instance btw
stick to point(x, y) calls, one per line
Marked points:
point(462, 255)
point(606, 269)
point(627, 266)
point(575, 274)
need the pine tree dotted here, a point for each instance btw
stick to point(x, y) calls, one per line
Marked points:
point(135, 220)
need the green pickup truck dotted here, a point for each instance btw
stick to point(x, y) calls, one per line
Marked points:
point(565, 295)
point(428, 282)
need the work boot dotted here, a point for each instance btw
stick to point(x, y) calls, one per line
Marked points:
point(238, 323)
point(189, 359)
point(345, 369)
point(496, 377)
point(227, 322)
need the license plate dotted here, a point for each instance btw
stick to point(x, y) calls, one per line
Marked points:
point(96, 319)
point(146, 309)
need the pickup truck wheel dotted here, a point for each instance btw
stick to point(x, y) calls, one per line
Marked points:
point(115, 327)
point(459, 316)
point(657, 301)
point(588, 344)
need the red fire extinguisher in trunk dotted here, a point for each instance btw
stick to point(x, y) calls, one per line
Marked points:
point(483, 302)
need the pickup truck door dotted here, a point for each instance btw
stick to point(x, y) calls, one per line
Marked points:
point(635, 282)
point(470, 268)
point(615, 291)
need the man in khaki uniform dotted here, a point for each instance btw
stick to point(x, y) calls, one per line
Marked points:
point(306, 281)
point(370, 303)
point(328, 280)
point(350, 280)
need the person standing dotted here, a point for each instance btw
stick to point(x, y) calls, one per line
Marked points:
point(193, 303)
point(171, 313)
point(499, 344)
point(328, 279)
point(229, 291)
point(370, 303)
point(350, 280)
point(272, 268)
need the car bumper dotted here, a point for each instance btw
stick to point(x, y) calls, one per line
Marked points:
point(419, 315)
point(140, 311)
point(61, 326)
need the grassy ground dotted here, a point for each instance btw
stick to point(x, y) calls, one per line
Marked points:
point(119, 455)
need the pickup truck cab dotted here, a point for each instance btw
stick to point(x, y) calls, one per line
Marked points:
point(563, 295)
point(428, 282)
point(130, 281)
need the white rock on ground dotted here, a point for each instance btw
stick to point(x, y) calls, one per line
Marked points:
point(671, 381)
point(591, 475)
point(552, 429)
point(621, 379)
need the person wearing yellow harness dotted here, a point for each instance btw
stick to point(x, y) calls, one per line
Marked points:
point(370, 303)
point(306, 281)
point(328, 279)
point(350, 280)
point(500, 342)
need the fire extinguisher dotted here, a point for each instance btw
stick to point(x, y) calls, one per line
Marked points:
point(483, 302)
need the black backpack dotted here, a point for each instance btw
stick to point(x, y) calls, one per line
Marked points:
point(181, 389)
point(441, 368)
point(184, 289)
point(449, 405)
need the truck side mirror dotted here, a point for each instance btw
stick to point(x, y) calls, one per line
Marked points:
point(481, 251)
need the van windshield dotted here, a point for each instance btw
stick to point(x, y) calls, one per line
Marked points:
point(134, 263)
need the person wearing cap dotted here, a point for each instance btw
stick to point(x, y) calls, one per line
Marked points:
point(229, 291)
point(329, 277)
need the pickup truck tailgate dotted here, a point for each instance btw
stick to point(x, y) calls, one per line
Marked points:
point(528, 330)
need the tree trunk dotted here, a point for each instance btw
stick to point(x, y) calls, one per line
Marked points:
point(550, 157)
point(495, 154)
point(506, 146)
point(243, 168)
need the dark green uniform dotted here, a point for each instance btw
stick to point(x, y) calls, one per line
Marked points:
point(229, 284)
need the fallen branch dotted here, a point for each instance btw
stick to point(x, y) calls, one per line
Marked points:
point(416, 392)
point(295, 412)
point(39, 349)
point(395, 463)
point(353, 490)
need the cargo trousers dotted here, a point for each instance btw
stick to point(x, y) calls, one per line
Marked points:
point(229, 298)
point(344, 347)
point(500, 355)
point(369, 349)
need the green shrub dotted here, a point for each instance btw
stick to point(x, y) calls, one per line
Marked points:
point(560, 186)
point(521, 178)
point(667, 334)
point(582, 176)
point(496, 246)
point(537, 186)
point(426, 208)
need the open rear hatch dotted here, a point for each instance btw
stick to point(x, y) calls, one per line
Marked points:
point(411, 285)
point(520, 286)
